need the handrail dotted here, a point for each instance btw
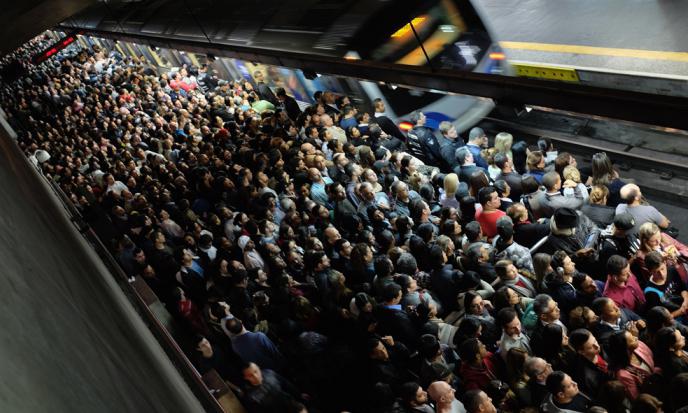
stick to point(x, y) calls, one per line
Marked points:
point(166, 341)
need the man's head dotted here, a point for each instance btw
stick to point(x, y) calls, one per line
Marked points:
point(441, 392)
point(508, 320)
point(463, 156)
point(478, 137)
point(502, 162)
point(379, 105)
point(477, 401)
point(331, 234)
point(631, 194)
point(546, 308)
point(562, 387)
point(252, 374)
point(418, 118)
point(506, 270)
point(489, 198)
point(607, 309)
point(377, 350)
point(391, 293)
point(448, 130)
point(584, 343)
point(537, 369)
point(619, 270)
point(551, 181)
point(413, 395)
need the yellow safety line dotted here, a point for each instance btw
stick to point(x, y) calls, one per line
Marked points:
point(598, 51)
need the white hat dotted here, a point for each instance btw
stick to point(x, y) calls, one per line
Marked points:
point(243, 240)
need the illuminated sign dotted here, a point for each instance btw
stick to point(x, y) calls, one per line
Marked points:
point(54, 48)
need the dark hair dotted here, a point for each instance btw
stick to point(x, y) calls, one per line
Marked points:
point(501, 298)
point(234, 325)
point(647, 403)
point(390, 291)
point(519, 155)
point(612, 395)
point(383, 266)
point(428, 346)
point(529, 184)
point(468, 300)
point(552, 336)
point(472, 400)
point(653, 260)
point(408, 392)
point(679, 391)
point(656, 317)
point(664, 341)
point(602, 169)
point(505, 316)
point(615, 264)
point(469, 349)
point(468, 328)
point(472, 231)
point(578, 338)
point(617, 351)
point(485, 194)
point(554, 382)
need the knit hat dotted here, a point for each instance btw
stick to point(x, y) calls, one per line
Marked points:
point(624, 221)
point(243, 240)
point(565, 218)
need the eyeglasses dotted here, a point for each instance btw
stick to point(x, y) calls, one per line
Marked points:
point(548, 366)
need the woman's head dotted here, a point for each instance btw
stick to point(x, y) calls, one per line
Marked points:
point(503, 142)
point(554, 339)
point(582, 317)
point(572, 173)
point(505, 297)
point(668, 341)
point(451, 184)
point(472, 351)
point(599, 195)
point(650, 236)
point(535, 161)
point(473, 303)
point(620, 347)
point(602, 170)
point(468, 328)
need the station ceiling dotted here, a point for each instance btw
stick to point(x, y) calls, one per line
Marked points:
point(21, 20)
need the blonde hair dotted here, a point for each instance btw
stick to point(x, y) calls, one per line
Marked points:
point(503, 142)
point(533, 160)
point(572, 173)
point(599, 194)
point(647, 231)
point(451, 184)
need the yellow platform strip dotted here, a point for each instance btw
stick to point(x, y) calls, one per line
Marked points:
point(597, 51)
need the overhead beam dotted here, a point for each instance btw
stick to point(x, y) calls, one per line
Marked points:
point(659, 110)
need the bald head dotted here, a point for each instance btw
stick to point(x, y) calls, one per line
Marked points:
point(630, 193)
point(314, 174)
point(441, 392)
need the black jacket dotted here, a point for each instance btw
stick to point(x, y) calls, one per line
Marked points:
point(588, 376)
point(291, 107)
point(528, 234)
point(396, 323)
point(444, 282)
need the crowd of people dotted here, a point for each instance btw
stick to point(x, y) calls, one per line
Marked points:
point(321, 260)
